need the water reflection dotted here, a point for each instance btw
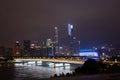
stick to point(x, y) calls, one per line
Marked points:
point(20, 71)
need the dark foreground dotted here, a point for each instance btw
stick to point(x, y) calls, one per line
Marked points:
point(115, 76)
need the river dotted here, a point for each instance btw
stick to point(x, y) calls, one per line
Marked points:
point(19, 71)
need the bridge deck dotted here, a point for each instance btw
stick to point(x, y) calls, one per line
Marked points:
point(51, 60)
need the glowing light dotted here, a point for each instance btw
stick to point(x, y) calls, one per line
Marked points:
point(55, 27)
point(58, 64)
point(67, 64)
point(55, 64)
point(32, 45)
point(18, 64)
point(17, 41)
point(17, 60)
point(70, 27)
point(88, 54)
point(103, 47)
point(39, 62)
point(60, 47)
point(51, 64)
point(32, 62)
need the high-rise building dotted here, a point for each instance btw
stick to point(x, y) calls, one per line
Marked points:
point(26, 47)
point(56, 42)
point(70, 35)
point(48, 43)
point(17, 49)
point(50, 47)
point(43, 42)
point(75, 46)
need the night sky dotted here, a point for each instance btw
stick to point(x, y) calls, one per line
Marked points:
point(95, 21)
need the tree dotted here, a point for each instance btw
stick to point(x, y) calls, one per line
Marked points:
point(90, 67)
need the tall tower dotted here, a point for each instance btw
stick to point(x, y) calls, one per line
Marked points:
point(56, 41)
point(70, 35)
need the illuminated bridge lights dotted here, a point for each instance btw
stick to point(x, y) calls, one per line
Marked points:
point(51, 60)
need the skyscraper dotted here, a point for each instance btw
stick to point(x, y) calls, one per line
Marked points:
point(17, 49)
point(70, 35)
point(56, 42)
point(48, 43)
point(50, 47)
point(26, 47)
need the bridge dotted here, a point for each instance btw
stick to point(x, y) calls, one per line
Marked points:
point(61, 60)
point(49, 61)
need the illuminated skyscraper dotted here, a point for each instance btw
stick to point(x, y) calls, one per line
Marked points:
point(50, 47)
point(48, 43)
point(17, 49)
point(56, 41)
point(71, 41)
point(70, 30)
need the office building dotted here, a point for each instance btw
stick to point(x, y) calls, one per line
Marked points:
point(26, 47)
point(17, 51)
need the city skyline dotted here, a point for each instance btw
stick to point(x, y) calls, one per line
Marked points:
point(95, 22)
